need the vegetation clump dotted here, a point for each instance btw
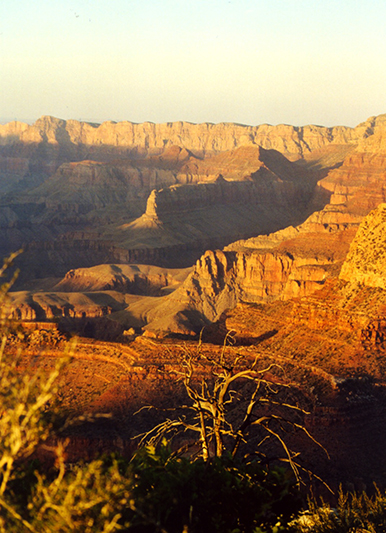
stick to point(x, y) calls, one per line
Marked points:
point(221, 495)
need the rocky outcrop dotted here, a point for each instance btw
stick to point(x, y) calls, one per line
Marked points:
point(359, 183)
point(270, 192)
point(243, 163)
point(180, 198)
point(221, 279)
point(92, 185)
point(42, 306)
point(34, 152)
point(94, 200)
point(132, 279)
point(98, 183)
point(333, 221)
point(366, 261)
point(294, 267)
point(342, 326)
point(291, 263)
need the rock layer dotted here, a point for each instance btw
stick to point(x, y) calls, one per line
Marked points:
point(366, 261)
point(89, 208)
point(290, 268)
point(89, 205)
point(110, 138)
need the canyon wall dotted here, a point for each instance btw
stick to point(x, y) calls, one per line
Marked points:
point(359, 183)
point(294, 263)
point(341, 326)
point(165, 193)
point(83, 214)
point(366, 261)
point(293, 267)
point(84, 139)
point(31, 153)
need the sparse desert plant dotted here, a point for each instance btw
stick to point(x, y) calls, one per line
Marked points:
point(233, 401)
point(37, 498)
point(354, 513)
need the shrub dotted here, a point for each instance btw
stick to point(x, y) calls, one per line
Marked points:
point(354, 513)
point(177, 494)
point(32, 497)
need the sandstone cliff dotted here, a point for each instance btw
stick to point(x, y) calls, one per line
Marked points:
point(86, 185)
point(31, 153)
point(89, 206)
point(359, 182)
point(293, 264)
point(290, 268)
point(342, 326)
point(366, 261)
point(148, 138)
point(242, 163)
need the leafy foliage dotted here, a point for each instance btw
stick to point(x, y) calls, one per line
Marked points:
point(200, 496)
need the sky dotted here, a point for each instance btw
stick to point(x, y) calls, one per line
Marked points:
point(245, 61)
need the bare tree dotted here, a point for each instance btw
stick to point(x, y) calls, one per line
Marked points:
point(231, 400)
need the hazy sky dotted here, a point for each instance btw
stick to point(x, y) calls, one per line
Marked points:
point(247, 61)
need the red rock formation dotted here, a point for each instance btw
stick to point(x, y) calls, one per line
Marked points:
point(82, 215)
point(366, 261)
point(293, 264)
point(359, 183)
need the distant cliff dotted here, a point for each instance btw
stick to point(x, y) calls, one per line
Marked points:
point(83, 214)
point(359, 183)
point(82, 139)
point(76, 194)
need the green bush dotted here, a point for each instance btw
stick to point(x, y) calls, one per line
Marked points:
point(177, 494)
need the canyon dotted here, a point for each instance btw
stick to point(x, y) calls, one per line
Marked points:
point(140, 239)
point(248, 214)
